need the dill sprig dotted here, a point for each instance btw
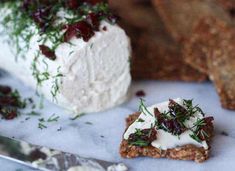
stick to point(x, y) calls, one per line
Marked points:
point(143, 137)
point(55, 89)
point(41, 124)
point(143, 109)
point(77, 116)
point(140, 120)
point(197, 130)
point(53, 118)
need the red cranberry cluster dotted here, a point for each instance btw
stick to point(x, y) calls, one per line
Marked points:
point(43, 14)
point(42, 17)
point(9, 103)
point(172, 124)
point(143, 137)
point(83, 29)
point(205, 131)
point(50, 54)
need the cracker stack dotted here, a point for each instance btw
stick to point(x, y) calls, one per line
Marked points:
point(182, 40)
point(155, 54)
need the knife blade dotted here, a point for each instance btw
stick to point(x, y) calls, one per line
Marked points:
point(47, 159)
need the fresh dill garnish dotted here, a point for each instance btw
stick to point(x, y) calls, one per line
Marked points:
point(192, 109)
point(77, 116)
point(140, 120)
point(41, 120)
point(140, 143)
point(27, 118)
point(33, 113)
point(55, 89)
point(143, 109)
point(41, 125)
point(89, 123)
point(143, 137)
point(53, 118)
point(195, 137)
point(198, 123)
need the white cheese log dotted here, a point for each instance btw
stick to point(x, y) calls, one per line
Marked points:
point(96, 74)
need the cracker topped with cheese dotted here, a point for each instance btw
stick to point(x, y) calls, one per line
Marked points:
point(173, 129)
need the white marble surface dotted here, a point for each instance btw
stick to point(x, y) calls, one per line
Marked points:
point(101, 138)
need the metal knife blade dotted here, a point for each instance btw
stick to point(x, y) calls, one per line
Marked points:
point(50, 159)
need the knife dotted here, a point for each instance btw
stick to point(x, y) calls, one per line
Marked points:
point(45, 159)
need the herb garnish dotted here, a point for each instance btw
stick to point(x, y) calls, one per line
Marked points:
point(10, 103)
point(89, 123)
point(41, 125)
point(202, 129)
point(77, 116)
point(143, 137)
point(143, 109)
point(53, 118)
point(140, 120)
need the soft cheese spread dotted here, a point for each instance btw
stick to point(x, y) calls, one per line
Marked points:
point(85, 73)
point(169, 125)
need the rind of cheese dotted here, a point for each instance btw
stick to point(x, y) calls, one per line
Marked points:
point(164, 139)
point(96, 74)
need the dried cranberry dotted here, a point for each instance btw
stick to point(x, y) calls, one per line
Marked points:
point(79, 29)
point(9, 101)
point(5, 90)
point(105, 28)
point(41, 17)
point(8, 114)
point(158, 115)
point(147, 136)
point(50, 54)
point(173, 126)
point(26, 4)
point(205, 131)
point(93, 20)
point(176, 109)
point(140, 93)
point(37, 154)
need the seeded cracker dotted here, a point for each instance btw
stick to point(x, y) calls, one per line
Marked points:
point(181, 15)
point(212, 43)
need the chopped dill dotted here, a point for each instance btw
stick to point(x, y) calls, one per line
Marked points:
point(53, 118)
point(77, 116)
point(143, 108)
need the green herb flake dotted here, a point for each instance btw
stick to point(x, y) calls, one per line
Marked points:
point(89, 123)
point(77, 116)
point(140, 120)
point(41, 126)
point(143, 109)
point(53, 118)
